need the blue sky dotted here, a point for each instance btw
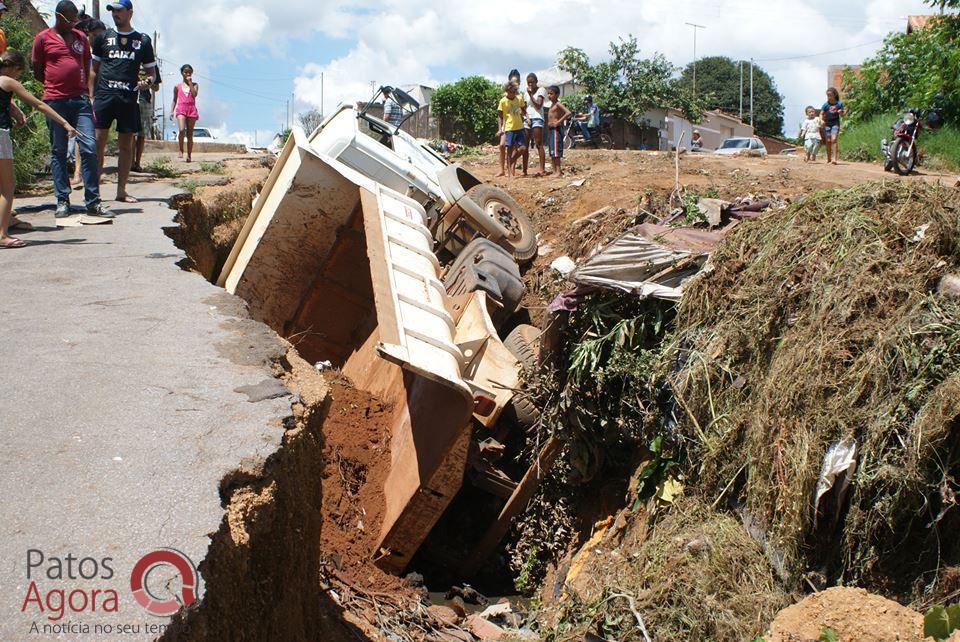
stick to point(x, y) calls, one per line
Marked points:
point(250, 57)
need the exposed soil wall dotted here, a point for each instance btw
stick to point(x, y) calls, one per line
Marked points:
point(209, 221)
point(260, 573)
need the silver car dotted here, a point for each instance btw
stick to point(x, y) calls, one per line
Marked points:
point(742, 146)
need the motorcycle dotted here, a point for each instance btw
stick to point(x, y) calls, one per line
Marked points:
point(600, 137)
point(901, 154)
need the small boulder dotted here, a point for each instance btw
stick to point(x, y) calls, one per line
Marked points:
point(444, 614)
point(484, 629)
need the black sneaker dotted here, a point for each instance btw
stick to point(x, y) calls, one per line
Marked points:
point(63, 209)
point(99, 210)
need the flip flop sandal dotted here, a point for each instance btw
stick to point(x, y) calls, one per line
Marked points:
point(17, 243)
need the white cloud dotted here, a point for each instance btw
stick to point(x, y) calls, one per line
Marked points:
point(410, 41)
point(407, 41)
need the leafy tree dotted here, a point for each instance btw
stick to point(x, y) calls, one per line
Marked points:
point(468, 109)
point(32, 142)
point(628, 85)
point(718, 83)
point(908, 71)
point(944, 4)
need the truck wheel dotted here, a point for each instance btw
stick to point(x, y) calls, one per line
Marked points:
point(501, 207)
point(524, 344)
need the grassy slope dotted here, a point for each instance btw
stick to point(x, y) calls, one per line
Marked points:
point(861, 142)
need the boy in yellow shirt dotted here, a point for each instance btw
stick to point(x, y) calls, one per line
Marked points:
point(511, 112)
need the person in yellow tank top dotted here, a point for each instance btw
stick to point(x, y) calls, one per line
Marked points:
point(511, 112)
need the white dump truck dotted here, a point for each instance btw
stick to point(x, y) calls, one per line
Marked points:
point(458, 205)
point(345, 266)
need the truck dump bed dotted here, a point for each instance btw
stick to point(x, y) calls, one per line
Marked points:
point(343, 267)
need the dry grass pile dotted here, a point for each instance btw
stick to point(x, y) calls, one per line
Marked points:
point(696, 576)
point(818, 324)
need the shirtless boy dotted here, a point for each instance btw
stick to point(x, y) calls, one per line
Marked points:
point(557, 117)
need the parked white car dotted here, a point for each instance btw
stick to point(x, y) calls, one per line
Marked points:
point(742, 146)
point(458, 204)
point(203, 135)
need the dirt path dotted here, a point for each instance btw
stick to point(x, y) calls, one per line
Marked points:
point(622, 179)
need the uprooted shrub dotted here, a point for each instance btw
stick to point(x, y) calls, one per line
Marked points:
point(696, 575)
point(596, 399)
point(818, 324)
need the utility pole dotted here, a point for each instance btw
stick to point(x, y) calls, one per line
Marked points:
point(293, 108)
point(96, 9)
point(695, 27)
point(741, 91)
point(751, 92)
point(153, 95)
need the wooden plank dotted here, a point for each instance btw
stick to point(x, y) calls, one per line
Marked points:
point(514, 506)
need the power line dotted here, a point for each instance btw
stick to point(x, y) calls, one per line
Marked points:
point(822, 53)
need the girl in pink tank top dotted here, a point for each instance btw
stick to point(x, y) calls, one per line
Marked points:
point(185, 109)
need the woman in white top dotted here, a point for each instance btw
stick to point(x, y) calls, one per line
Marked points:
point(534, 97)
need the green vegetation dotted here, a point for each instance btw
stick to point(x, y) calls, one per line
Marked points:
point(162, 167)
point(861, 142)
point(718, 82)
point(940, 622)
point(466, 151)
point(468, 109)
point(696, 575)
point(213, 167)
point(909, 71)
point(835, 331)
point(627, 85)
point(31, 143)
point(189, 185)
point(597, 402)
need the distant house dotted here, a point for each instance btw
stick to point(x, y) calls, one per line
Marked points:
point(835, 76)
point(714, 127)
point(916, 23)
point(420, 93)
point(562, 79)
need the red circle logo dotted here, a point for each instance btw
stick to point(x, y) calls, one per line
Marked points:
point(188, 579)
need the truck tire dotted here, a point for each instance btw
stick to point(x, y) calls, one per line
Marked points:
point(524, 344)
point(503, 208)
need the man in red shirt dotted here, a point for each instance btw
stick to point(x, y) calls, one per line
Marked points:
point(61, 61)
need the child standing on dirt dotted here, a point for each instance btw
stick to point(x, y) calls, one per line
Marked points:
point(830, 114)
point(513, 77)
point(510, 118)
point(557, 117)
point(12, 64)
point(810, 133)
point(535, 97)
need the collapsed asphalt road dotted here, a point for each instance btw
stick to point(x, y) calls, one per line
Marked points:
point(131, 389)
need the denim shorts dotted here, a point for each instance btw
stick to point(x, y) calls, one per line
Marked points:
point(515, 139)
point(831, 130)
point(535, 122)
point(6, 145)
